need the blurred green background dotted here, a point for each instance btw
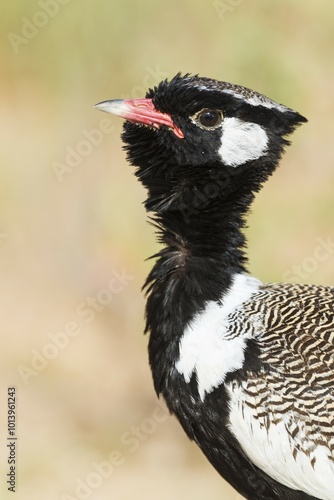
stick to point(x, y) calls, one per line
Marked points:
point(74, 236)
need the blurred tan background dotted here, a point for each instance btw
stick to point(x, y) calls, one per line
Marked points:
point(74, 236)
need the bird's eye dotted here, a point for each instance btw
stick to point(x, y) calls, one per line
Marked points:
point(209, 118)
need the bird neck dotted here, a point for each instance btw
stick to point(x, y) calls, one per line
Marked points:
point(201, 228)
point(204, 249)
point(205, 236)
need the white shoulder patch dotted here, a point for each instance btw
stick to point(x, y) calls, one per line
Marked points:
point(273, 449)
point(205, 347)
point(241, 142)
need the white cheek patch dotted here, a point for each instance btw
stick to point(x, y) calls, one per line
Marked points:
point(242, 142)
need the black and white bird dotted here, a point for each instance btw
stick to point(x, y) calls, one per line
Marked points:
point(246, 367)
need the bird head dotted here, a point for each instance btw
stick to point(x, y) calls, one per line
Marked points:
point(192, 132)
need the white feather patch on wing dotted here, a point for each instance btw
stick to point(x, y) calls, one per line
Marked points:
point(242, 142)
point(274, 451)
point(203, 348)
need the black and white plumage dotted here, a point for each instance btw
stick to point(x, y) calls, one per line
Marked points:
point(247, 368)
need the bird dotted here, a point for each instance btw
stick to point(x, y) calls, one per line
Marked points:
point(246, 367)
